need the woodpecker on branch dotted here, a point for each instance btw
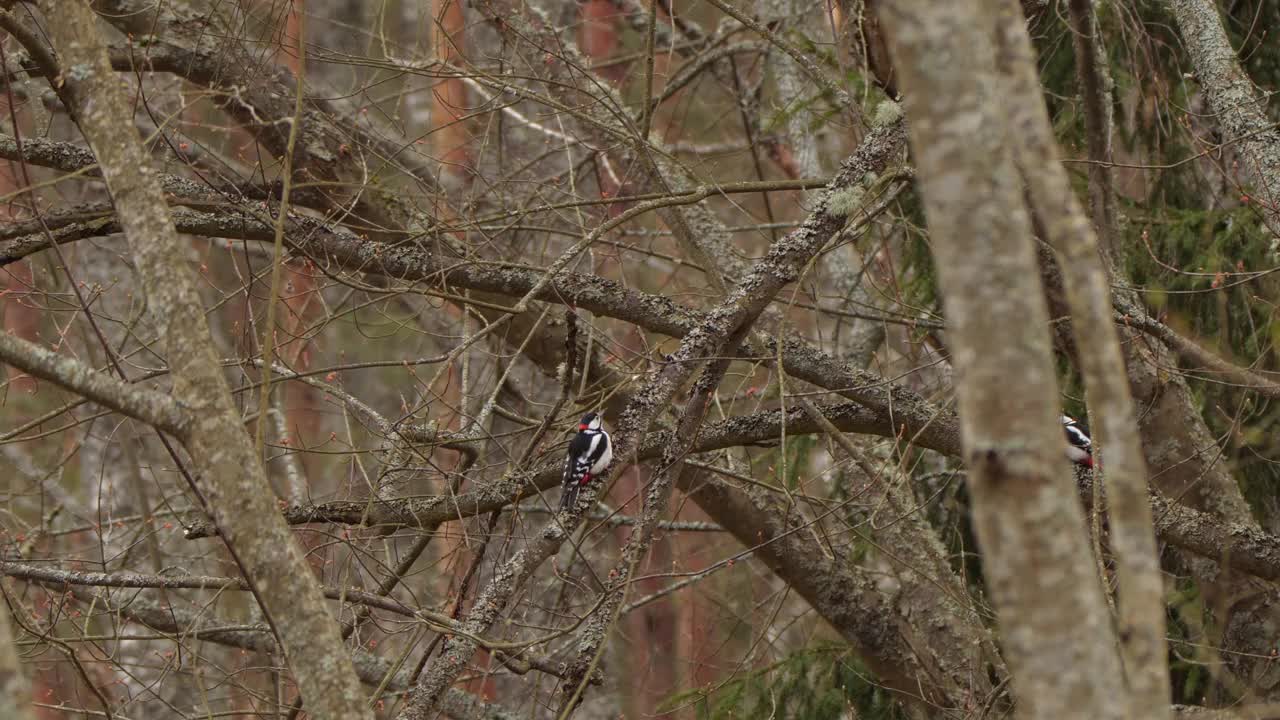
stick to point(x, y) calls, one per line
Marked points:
point(1079, 446)
point(589, 454)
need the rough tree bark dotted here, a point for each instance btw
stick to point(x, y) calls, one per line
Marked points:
point(1142, 626)
point(1055, 631)
point(228, 474)
point(1242, 114)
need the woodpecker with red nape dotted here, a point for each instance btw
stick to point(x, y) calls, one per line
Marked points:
point(590, 452)
point(1079, 446)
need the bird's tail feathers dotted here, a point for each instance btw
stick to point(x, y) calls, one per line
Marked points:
point(569, 498)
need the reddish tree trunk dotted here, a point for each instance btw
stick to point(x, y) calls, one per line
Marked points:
point(599, 37)
point(449, 140)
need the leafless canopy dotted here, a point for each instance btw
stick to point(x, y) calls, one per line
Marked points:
point(302, 301)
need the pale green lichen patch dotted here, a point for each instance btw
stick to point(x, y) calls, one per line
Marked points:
point(844, 202)
point(887, 113)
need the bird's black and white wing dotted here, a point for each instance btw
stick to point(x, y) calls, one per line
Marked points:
point(589, 454)
point(1079, 446)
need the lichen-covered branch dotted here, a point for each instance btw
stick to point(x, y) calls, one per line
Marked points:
point(229, 477)
point(1241, 547)
point(149, 406)
point(715, 333)
point(1241, 113)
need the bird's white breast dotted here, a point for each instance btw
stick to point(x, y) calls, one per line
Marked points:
point(605, 457)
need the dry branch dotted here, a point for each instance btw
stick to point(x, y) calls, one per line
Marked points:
point(140, 403)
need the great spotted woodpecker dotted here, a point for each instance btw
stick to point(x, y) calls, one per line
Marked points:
point(1079, 446)
point(589, 454)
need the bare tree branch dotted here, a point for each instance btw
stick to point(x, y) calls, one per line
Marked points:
point(149, 406)
point(15, 691)
point(184, 623)
point(230, 477)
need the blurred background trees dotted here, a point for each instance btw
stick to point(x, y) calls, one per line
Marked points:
point(715, 223)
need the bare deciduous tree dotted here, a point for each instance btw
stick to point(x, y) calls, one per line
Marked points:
point(303, 300)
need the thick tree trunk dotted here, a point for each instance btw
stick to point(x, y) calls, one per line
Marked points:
point(1111, 407)
point(228, 475)
point(1053, 621)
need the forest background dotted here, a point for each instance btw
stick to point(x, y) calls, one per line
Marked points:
point(303, 299)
